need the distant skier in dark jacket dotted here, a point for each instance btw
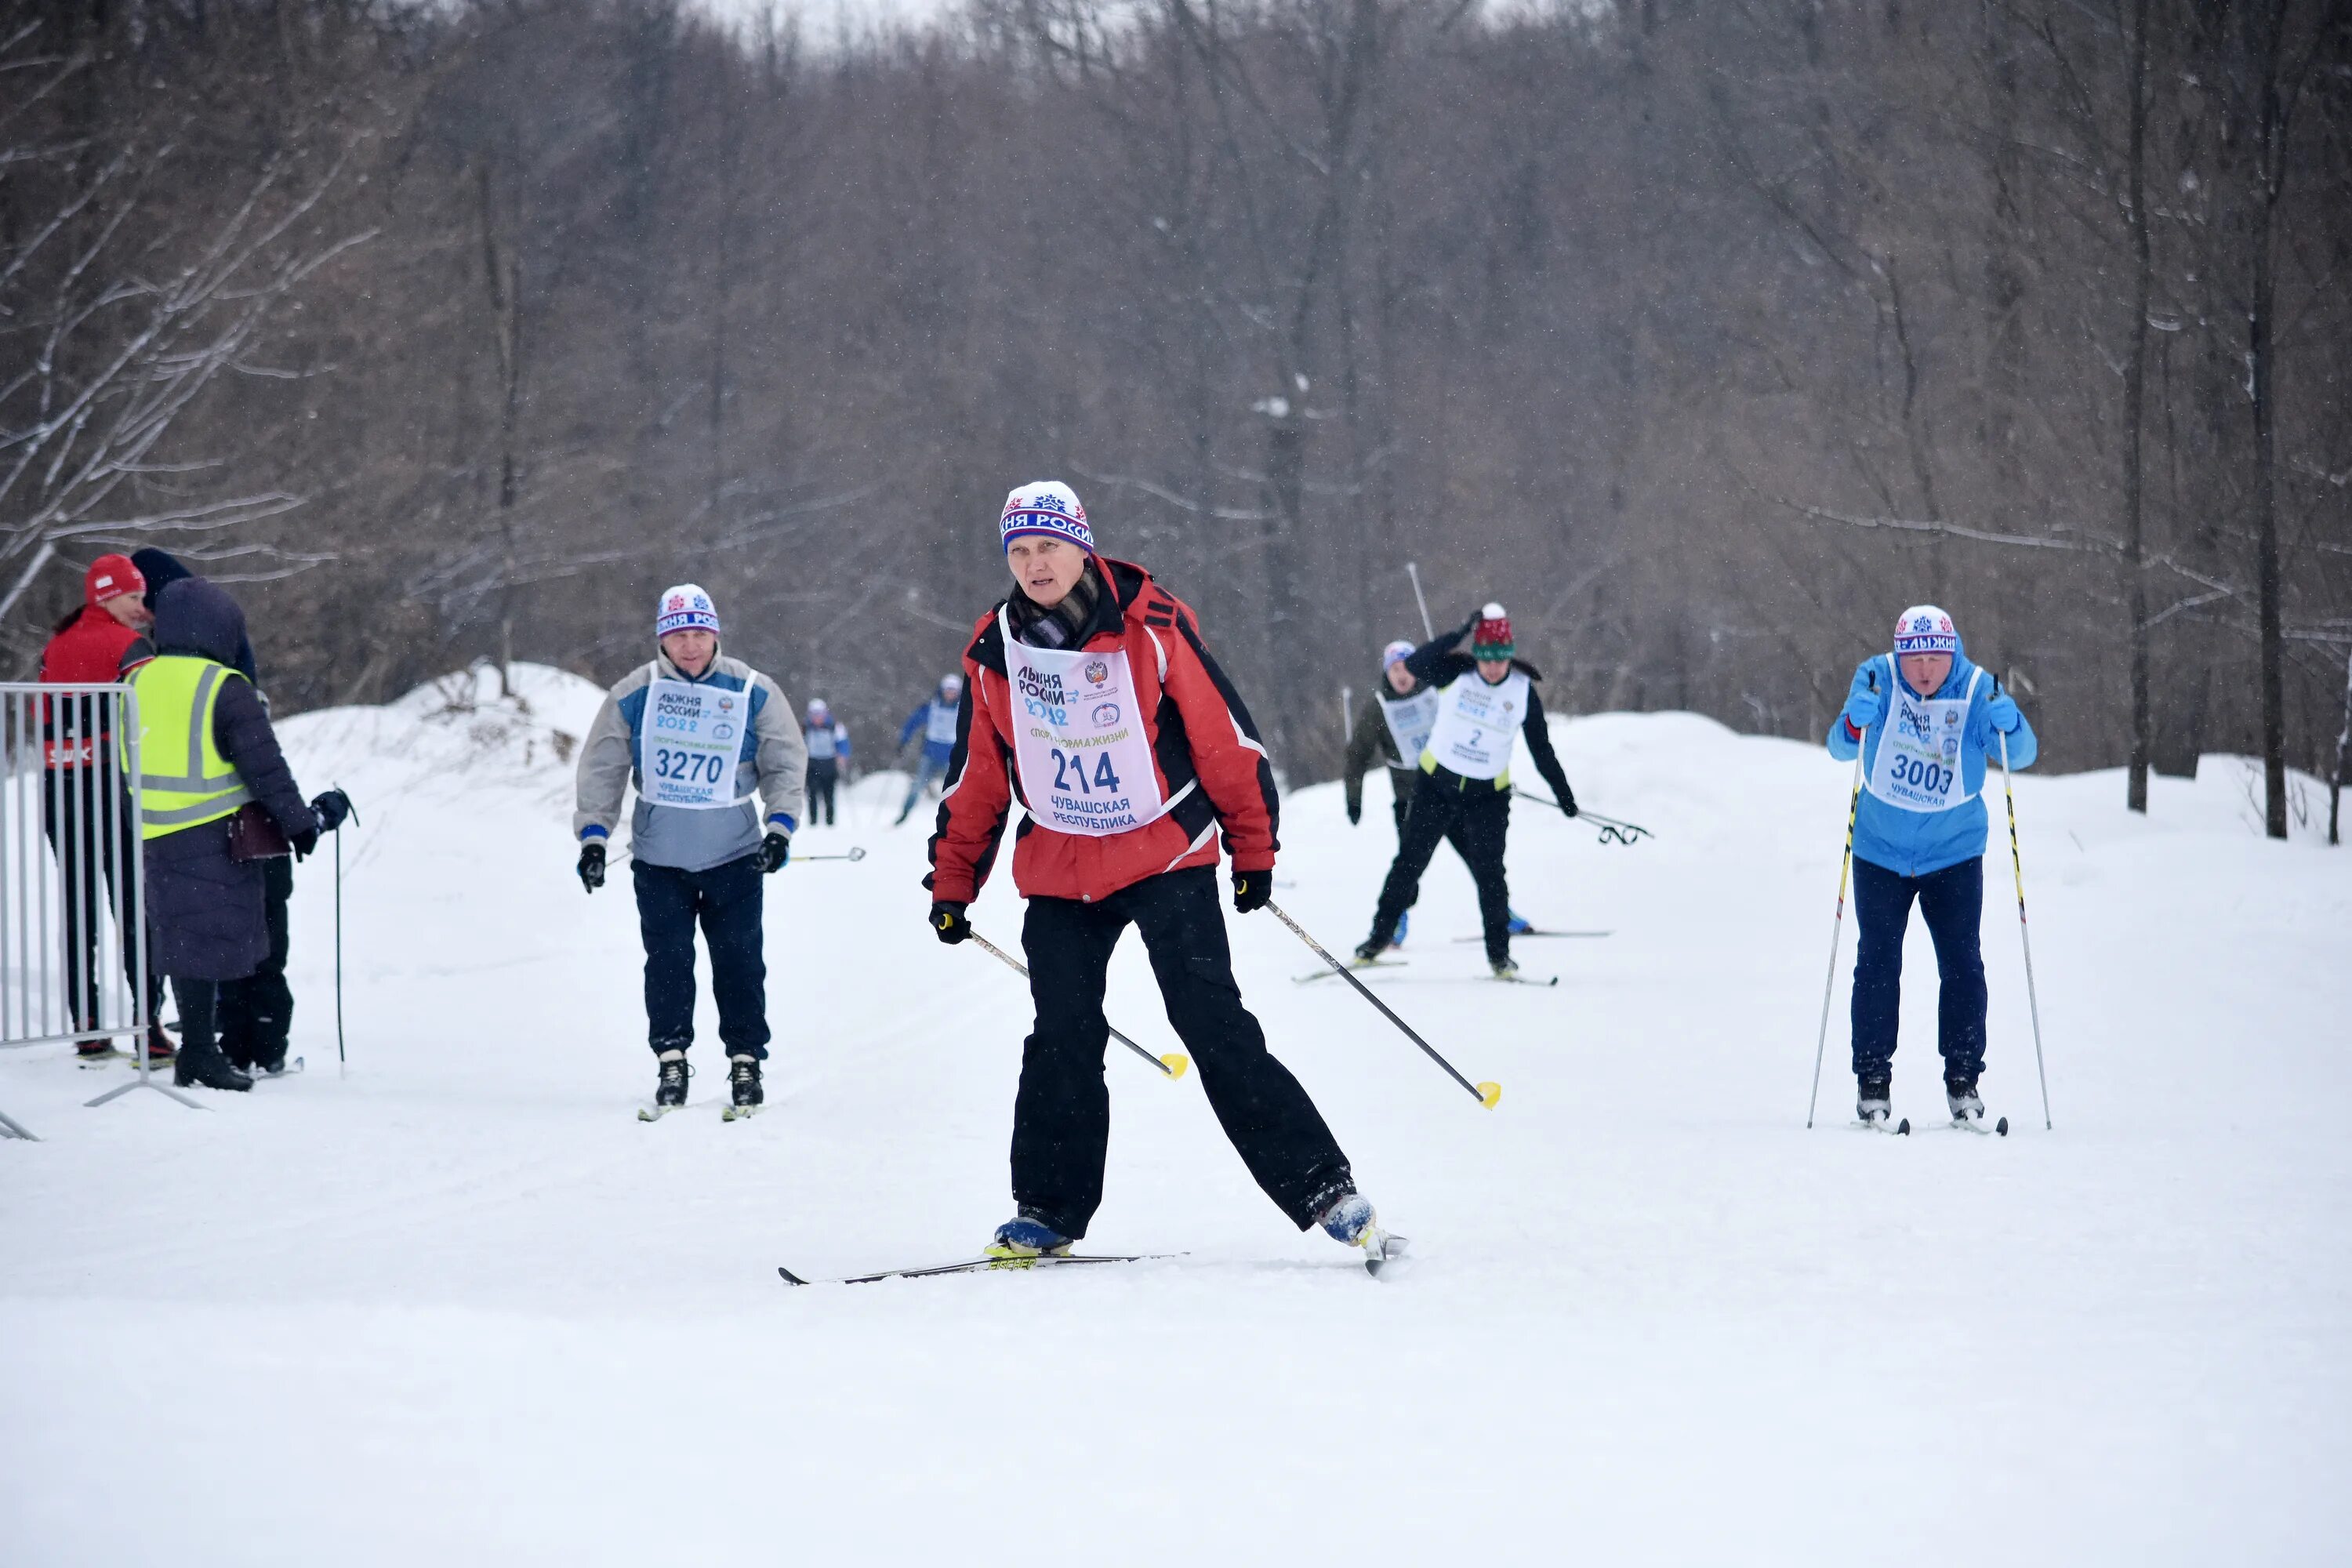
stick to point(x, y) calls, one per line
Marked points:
point(206, 750)
point(1487, 703)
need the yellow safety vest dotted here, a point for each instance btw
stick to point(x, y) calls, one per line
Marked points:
point(185, 780)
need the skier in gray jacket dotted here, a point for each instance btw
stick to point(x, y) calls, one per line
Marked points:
point(699, 735)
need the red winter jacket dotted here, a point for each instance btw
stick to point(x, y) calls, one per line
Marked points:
point(87, 652)
point(1211, 766)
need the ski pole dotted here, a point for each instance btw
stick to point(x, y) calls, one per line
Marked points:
point(1837, 927)
point(1428, 632)
point(1612, 830)
point(342, 1063)
point(853, 854)
point(1173, 1064)
point(2017, 865)
point(1485, 1094)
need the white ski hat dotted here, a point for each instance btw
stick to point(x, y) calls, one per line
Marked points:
point(1396, 652)
point(684, 608)
point(1925, 628)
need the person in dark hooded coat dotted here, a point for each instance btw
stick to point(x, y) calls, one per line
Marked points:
point(207, 921)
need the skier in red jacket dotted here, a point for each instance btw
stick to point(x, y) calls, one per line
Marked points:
point(88, 649)
point(1090, 698)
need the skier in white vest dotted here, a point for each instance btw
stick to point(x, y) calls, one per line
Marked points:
point(1486, 702)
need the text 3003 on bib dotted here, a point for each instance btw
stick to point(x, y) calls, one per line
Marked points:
point(1086, 767)
point(689, 744)
point(1919, 764)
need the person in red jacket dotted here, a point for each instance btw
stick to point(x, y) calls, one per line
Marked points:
point(92, 840)
point(1090, 698)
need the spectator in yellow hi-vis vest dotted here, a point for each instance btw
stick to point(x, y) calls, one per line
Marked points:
point(206, 749)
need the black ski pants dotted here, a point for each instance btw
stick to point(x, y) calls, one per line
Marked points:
point(256, 1013)
point(1061, 1118)
point(1476, 821)
point(726, 900)
point(824, 773)
point(1952, 902)
point(94, 840)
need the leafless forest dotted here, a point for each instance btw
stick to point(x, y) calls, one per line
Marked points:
point(1705, 334)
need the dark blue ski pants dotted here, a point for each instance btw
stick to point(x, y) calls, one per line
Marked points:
point(1952, 902)
point(725, 900)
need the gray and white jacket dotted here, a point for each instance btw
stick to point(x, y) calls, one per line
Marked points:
point(773, 763)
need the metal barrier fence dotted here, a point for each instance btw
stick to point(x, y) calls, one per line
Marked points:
point(73, 939)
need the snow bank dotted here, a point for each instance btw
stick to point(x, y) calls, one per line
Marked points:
point(460, 1303)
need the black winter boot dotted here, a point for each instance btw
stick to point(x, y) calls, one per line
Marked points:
point(743, 1079)
point(200, 1062)
point(671, 1090)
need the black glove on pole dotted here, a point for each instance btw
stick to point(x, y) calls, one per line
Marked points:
point(775, 852)
point(1251, 891)
point(592, 864)
point(946, 920)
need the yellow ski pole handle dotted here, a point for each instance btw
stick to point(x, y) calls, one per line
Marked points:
point(1173, 1064)
point(1487, 1094)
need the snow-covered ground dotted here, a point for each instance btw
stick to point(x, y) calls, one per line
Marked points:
point(460, 1306)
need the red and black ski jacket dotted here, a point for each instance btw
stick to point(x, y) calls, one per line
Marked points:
point(1211, 766)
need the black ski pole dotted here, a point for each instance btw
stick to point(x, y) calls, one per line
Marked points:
point(1485, 1094)
point(1173, 1064)
point(342, 1062)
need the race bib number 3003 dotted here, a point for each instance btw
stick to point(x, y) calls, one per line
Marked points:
point(691, 740)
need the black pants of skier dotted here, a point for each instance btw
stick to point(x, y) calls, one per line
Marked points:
point(725, 900)
point(1952, 902)
point(1477, 822)
point(824, 773)
point(1061, 1118)
point(93, 846)
point(256, 1013)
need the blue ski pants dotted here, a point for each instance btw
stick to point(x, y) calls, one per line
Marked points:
point(1952, 902)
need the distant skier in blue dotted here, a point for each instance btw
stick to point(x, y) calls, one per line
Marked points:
point(1926, 721)
point(935, 720)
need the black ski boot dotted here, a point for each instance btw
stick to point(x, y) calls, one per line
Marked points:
point(1960, 1095)
point(200, 1062)
point(743, 1085)
point(670, 1092)
point(1875, 1101)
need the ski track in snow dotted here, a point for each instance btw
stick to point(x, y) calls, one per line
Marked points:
point(460, 1302)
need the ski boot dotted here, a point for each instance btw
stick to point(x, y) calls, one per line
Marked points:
point(1024, 1237)
point(160, 1047)
point(1349, 1219)
point(743, 1087)
point(669, 1092)
point(202, 1063)
point(95, 1053)
point(1960, 1095)
point(1504, 968)
point(1874, 1101)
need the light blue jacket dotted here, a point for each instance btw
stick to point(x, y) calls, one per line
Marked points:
point(1918, 843)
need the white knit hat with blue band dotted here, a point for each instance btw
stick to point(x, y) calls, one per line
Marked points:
point(685, 608)
point(1049, 507)
point(1924, 628)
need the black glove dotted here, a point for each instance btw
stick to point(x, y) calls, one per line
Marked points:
point(775, 852)
point(1252, 890)
point(949, 922)
point(1568, 801)
point(303, 842)
point(332, 807)
point(592, 864)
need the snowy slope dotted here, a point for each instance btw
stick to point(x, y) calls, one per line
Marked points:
point(461, 1305)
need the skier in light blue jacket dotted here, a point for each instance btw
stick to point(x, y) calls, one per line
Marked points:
point(1926, 721)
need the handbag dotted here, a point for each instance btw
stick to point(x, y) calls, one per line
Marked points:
point(254, 835)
